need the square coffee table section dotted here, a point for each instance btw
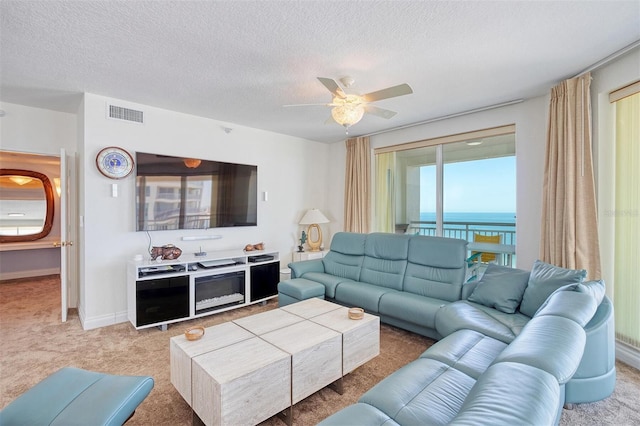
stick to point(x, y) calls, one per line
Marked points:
point(241, 384)
point(250, 369)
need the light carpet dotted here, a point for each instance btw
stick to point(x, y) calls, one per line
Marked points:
point(35, 344)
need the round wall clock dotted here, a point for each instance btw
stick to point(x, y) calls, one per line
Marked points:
point(114, 162)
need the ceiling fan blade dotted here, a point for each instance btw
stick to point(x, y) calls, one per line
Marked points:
point(380, 112)
point(332, 86)
point(389, 92)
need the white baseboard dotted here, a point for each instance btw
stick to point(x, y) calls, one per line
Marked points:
point(30, 274)
point(628, 354)
point(103, 320)
point(122, 317)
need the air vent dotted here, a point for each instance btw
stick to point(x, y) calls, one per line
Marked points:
point(120, 113)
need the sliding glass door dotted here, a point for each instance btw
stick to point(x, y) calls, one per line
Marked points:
point(465, 188)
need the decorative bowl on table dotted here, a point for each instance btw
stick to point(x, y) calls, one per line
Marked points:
point(356, 313)
point(194, 333)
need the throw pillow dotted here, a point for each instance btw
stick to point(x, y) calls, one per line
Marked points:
point(544, 280)
point(501, 288)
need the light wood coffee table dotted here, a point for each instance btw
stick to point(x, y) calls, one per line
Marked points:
point(250, 369)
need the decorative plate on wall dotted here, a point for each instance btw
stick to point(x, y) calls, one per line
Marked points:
point(114, 162)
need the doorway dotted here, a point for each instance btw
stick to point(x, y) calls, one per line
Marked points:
point(42, 257)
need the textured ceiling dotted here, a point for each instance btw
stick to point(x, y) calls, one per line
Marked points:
point(241, 61)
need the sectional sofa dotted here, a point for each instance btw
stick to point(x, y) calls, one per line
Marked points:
point(511, 346)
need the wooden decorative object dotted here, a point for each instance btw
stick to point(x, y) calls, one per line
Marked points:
point(314, 245)
point(194, 333)
point(356, 313)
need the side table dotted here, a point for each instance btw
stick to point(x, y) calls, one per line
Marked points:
point(308, 255)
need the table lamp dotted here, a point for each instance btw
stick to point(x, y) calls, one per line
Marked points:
point(312, 218)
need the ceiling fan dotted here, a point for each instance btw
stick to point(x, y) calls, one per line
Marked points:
point(348, 109)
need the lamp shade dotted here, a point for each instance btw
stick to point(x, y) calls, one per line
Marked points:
point(313, 216)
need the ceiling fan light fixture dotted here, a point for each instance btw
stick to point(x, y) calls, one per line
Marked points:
point(192, 163)
point(347, 115)
point(347, 111)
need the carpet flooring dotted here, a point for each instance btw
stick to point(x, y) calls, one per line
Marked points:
point(35, 344)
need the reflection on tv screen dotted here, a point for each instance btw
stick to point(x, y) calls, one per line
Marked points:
point(186, 193)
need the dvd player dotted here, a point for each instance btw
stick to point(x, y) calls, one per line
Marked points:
point(216, 263)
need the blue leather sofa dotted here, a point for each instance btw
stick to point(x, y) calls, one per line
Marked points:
point(404, 279)
point(468, 378)
point(511, 346)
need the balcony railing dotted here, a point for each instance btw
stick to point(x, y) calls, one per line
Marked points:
point(466, 230)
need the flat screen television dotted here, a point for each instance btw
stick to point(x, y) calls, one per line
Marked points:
point(189, 193)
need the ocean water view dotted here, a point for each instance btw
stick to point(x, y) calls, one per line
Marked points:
point(465, 224)
point(471, 217)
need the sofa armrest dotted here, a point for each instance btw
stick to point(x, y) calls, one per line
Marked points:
point(298, 269)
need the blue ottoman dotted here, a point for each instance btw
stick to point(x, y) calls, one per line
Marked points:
point(72, 396)
point(298, 289)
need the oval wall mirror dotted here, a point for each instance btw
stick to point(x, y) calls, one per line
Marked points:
point(26, 205)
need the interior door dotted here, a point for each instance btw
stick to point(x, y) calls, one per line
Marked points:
point(64, 267)
point(68, 264)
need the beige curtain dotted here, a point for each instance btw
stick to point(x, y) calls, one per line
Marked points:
point(357, 195)
point(569, 223)
point(385, 208)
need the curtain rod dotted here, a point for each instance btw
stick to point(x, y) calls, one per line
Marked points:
point(609, 58)
point(445, 117)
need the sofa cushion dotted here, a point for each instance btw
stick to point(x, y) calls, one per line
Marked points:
point(510, 394)
point(423, 392)
point(436, 267)
point(330, 282)
point(348, 243)
point(544, 280)
point(576, 306)
point(345, 258)
point(439, 252)
point(466, 350)
point(501, 287)
point(343, 265)
point(364, 413)
point(363, 295)
point(550, 343)
point(463, 315)
point(410, 307)
point(595, 288)
point(385, 260)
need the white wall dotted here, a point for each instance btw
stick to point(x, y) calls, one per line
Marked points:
point(36, 130)
point(530, 118)
point(292, 170)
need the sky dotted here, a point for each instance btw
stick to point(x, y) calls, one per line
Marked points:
point(473, 186)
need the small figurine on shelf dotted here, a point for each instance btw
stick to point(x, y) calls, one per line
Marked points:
point(166, 252)
point(303, 239)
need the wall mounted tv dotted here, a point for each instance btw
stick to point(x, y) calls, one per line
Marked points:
point(189, 193)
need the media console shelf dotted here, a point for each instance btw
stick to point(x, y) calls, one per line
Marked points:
point(161, 293)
